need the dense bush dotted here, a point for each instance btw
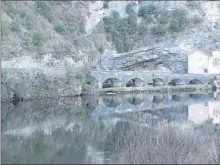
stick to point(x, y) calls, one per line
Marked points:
point(123, 32)
point(4, 28)
point(158, 30)
point(22, 16)
point(36, 38)
point(196, 20)
point(164, 17)
point(115, 15)
point(16, 24)
point(174, 26)
point(146, 10)
point(181, 16)
point(130, 8)
point(120, 30)
point(43, 6)
point(132, 24)
point(61, 28)
point(143, 27)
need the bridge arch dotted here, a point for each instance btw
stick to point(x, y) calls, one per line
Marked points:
point(112, 82)
point(195, 82)
point(135, 82)
point(112, 101)
point(177, 97)
point(135, 100)
point(158, 82)
point(176, 82)
point(92, 81)
point(158, 98)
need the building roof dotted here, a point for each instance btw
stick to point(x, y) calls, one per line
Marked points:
point(205, 52)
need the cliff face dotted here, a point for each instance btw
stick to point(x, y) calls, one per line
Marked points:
point(76, 33)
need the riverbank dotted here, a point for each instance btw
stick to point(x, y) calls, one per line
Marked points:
point(28, 84)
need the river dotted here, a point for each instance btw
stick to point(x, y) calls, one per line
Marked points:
point(128, 128)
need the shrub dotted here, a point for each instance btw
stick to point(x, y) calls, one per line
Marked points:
point(158, 30)
point(128, 44)
point(130, 8)
point(82, 28)
point(36, 38)
point(108, 24)
point(43, 6)
point(132, 24)
point(181, 16)
point(146, 10)
point(143, 27)
point(163, 17)
point(61, 28)
point(196, 20)
point(115, 15)
point(27, 18)
point(4, 28)
point(15, 25)
point(174, 26)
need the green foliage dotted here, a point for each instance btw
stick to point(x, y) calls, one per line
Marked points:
point(143, 27)
point(61, 28)
point(146, 10)
point(82, 79)
point(43, 6)
point(128, 43)
point(22, 16)
point(83, 113)
point(115, 15)
point(36, 38)
point(196, 20)
point(164, 17)
point(108, 24)
point(106, 90)
point(158, 30)
point(130, 9)
point(174, 26)
point(82, 28)
point(4, 28)
point(132, 24)
point(16, 24)
point(181, 16)
point(120, 29)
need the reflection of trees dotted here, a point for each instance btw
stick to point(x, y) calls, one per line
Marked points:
point(61, 146)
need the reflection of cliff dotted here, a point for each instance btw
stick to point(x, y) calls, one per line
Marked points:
point(83, 143)
point(47, 115)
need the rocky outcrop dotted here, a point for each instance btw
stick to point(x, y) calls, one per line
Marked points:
point(20, 84)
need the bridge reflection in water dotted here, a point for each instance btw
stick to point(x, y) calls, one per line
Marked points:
point(199, 105)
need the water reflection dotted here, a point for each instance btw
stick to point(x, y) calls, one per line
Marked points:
point(85, 129)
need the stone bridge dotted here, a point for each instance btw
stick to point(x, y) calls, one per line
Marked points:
point(141, 102)
point(115, 78)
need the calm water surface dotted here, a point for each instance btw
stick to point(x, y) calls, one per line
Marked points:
point(88, 129)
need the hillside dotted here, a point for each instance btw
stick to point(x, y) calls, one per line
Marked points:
point(77, 33)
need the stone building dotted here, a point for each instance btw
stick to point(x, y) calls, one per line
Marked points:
point(204, 62)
